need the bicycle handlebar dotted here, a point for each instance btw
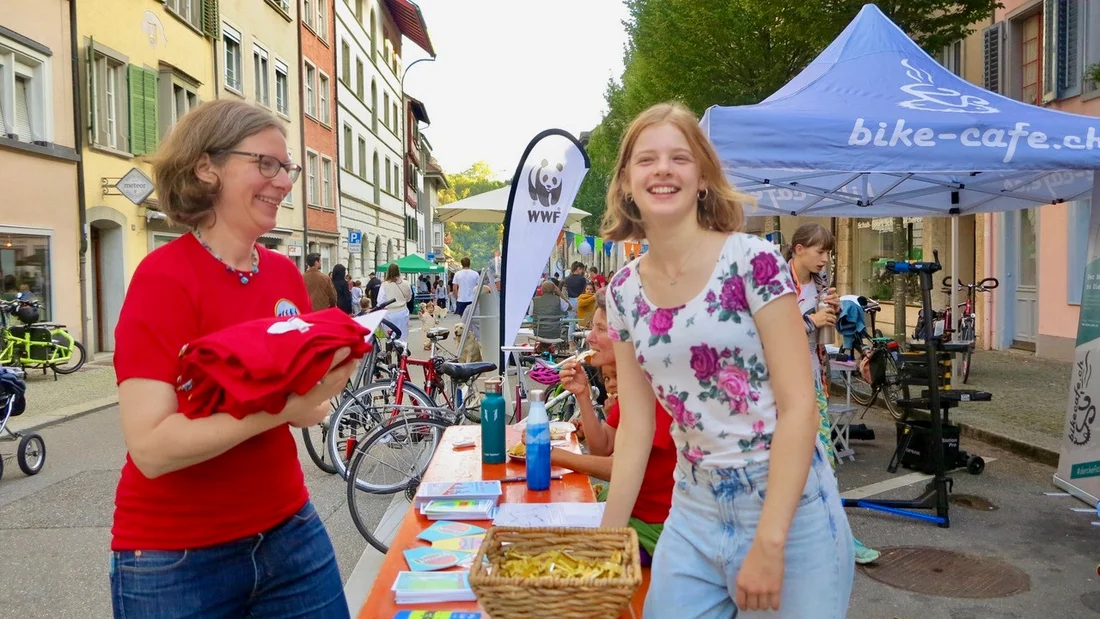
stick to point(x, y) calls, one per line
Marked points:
point(987, 284)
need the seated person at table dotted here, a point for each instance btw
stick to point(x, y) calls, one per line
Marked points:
point(655, 497)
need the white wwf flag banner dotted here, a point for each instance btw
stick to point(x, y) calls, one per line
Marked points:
point(543, 189)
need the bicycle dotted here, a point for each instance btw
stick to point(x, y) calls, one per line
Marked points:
point(967, 319)
point(33, 344)
point(884, 354)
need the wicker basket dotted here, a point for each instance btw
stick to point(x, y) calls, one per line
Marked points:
point(546, 596)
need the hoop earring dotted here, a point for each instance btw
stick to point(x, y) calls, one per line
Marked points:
point(628, 198)
point(703, 195)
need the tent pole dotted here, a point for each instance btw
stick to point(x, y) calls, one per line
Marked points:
point(954, 285)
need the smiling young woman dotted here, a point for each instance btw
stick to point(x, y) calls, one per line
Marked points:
point(212, 516)
point(707, 322)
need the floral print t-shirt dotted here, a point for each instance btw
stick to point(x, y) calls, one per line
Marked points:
point(705, 359)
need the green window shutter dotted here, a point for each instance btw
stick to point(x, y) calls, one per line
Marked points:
point(149, 110)
point(210, 18)
point(136, 81)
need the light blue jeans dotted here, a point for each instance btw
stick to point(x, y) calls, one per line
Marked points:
point(709, 532)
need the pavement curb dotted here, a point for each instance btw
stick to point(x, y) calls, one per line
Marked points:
point(64, 414)
point(1023, 449)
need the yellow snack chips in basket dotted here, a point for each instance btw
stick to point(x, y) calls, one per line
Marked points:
point(559, 564)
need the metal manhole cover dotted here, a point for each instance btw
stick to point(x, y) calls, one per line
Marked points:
point(946, 573)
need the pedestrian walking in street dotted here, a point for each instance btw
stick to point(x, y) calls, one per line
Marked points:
point(373, 284)
point(343, 291)
point(322, 293)
point(756, 522)
point(395, 287)
point(212, 515)
point(465, 284)
point(356, 294)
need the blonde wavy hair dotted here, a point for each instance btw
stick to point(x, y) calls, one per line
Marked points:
point(211, 129)
point(720, 209)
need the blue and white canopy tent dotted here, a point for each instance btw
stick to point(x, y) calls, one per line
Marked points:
point(875, 127)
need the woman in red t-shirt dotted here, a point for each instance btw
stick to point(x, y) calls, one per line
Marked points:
point(655, 497)
point(212, 516)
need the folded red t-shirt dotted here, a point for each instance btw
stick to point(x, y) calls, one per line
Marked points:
point(254, 366)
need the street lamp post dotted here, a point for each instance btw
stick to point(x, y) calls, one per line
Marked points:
point(404, 146)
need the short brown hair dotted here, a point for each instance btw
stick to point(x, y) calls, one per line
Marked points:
point(721, 207)
point(810, 235)
point(466, 262)
point(212, 128)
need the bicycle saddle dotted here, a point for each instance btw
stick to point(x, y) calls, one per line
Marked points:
point(438, 333)
point(466, 371)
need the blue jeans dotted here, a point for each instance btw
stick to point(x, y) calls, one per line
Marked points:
point(289, 571)
point(711, 527)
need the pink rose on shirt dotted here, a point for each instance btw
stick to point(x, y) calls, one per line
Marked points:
point(758, 427)
point(679, 411)
point(661, 323)
point(641, 306)
point(704, 360)
point(733, 295)
point(764, 268)
point(694, 454)
point(734, 381)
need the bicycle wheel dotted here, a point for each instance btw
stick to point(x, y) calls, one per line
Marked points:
point(386, 472)
point(75, 360)
point(317, 449)
point(967, 335)
point(361, 412)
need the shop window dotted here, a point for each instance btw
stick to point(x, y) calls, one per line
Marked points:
point(873, 247)
point(1078, 246)
point(25, 268)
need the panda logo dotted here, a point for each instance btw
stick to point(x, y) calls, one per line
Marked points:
point(544, 183)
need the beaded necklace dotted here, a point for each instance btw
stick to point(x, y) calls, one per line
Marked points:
point(244, 276)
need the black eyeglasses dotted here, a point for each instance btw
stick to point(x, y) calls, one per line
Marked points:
point(269, 166)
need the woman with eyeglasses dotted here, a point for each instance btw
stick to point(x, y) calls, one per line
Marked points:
point(212, 516)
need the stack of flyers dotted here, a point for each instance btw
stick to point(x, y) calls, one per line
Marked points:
point(429, 559)
point(446, 529)
point(460, 509)
point(432, 587)
point(469, 490)
point(436, 614)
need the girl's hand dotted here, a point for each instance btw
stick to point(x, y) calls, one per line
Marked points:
point(824, 318)
point(832, 299)
point(574, 379)
point(760, 579)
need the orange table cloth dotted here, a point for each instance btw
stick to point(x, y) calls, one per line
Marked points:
point(450, 464)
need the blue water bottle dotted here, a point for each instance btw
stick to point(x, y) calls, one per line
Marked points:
point(492, 423)
point(538, 442)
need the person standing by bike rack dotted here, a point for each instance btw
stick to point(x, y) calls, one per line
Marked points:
point(212, 515)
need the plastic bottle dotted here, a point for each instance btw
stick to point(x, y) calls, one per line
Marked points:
point(538, 442)
point(492, 423)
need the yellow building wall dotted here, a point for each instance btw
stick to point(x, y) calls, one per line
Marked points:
point(149, 36)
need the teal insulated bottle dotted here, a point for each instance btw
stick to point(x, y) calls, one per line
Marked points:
point(538, 442)
point(492, 423)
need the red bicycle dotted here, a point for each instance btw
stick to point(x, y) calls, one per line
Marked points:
point(966, 325)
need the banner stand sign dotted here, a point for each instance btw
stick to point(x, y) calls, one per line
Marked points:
point(1079, 462)
point(543, 189)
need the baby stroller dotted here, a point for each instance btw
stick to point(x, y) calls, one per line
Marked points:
point(31, 452)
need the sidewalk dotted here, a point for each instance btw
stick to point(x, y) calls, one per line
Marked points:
point(89, 389)
point(1030, 396)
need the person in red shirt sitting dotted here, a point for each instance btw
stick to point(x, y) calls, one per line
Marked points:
point(212, 516)
point(655, 497)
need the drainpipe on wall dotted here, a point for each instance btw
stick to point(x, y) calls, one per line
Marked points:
point(305, 159)
point(81, 202)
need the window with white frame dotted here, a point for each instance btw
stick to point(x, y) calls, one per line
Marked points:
point(311, 90)
point(362, 158)
point(359, 78)
point(26, 106)
point(282, 88)
point(389, 176)
point(189, 11)
point(177, 96)
point(386, 108)
point(285, 5)
point(326, 182)
point(1091, 38)
point(322, 20)
point(110, 100)
point(322, 98)
point(308, 12)
point(437, 235)
point(260, 74)
point(345, 63)
point(231, 42)
point(312, 165)
point(349, 155)
point(953, 57)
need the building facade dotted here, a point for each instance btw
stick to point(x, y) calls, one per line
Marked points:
point(318, 103)
point(1044, 53)
point(369, 124)
point(259, 61)
point(40, 213)
point(416, 157)
point(142, 65)
point(435, 180)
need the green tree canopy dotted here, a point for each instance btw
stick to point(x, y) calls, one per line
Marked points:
point(737, 52)
point(478, 241)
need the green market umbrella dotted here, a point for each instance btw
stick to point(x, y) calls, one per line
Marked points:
point(413, 264)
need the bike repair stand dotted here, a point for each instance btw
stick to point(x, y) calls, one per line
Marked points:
point(935, 493)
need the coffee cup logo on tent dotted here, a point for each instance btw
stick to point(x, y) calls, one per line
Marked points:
point(930, 98)
point(544, 183)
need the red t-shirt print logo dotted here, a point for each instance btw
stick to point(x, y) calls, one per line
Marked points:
point(285, 308)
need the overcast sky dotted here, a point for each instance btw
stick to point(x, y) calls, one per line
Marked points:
point(507, 69)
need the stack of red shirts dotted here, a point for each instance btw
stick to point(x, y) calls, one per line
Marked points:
point(254, 366)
